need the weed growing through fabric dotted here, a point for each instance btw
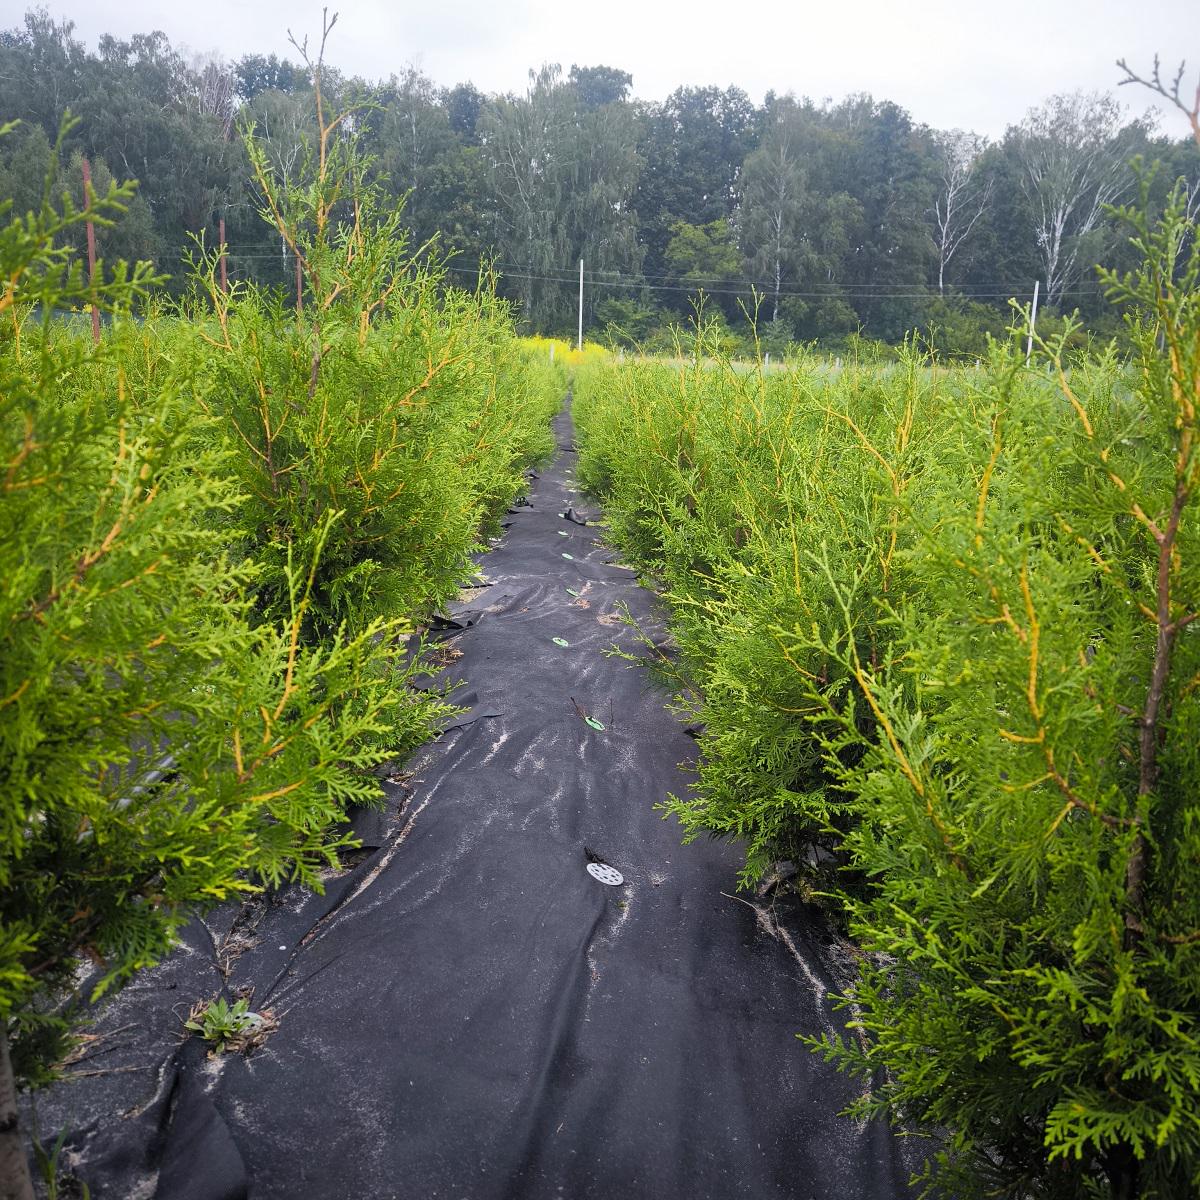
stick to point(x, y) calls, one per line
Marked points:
point(58, 1184)
point(233, 1026)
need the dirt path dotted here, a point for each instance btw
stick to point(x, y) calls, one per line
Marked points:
point(470, 1014)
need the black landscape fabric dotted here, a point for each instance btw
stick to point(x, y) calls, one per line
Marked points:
point(467, 1013)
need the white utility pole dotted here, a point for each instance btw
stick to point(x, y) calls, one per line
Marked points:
point(581, 304)
point(1037, 283)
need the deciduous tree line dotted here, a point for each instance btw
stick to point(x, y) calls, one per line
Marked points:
point(842, 216)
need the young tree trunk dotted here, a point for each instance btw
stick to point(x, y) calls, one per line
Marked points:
point(1123, 1173)
point(1136, 868)
point(15, 1182)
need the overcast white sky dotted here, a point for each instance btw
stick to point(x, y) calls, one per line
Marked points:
point(951, 63)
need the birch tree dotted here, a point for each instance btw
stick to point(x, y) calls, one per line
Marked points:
point(773, 188)
point(214, 88)
point(279, 121)
point(1073, 157)
point(963, 198)
point(601, 224)
point(524, 139)
point(413, 126)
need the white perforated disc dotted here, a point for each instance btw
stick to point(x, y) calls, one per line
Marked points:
point(605, 873)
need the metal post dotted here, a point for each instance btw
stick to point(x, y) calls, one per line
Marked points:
point(91, 247)
point(580, 346)
point(1037, 283)
point(221, 236)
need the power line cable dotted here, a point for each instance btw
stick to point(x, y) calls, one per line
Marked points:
point(571, 275)
point(832, 291)
point(843, 290)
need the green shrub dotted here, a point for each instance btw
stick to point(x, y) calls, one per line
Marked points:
point(392, 415)
point(1030, 812)
point(939, 624)
point(412, 443)
point(157, 751)
point(200, 660)
point(731, 488)
point(958, 328)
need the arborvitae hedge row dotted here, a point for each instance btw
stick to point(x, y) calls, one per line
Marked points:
point(209, 574)
point(945, 627)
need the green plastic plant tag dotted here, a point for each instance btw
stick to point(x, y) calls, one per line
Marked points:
point(594, 723)
point(560, 641)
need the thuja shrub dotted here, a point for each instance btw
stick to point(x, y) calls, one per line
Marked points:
point(739, 493)
point(1030, 799)
point(411, 445)
point(947, 624)
point(388, 413)
point(162, 748)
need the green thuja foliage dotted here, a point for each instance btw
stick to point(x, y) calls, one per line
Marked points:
point(945, 626)
point(1031, 802)
point(730, 487)
point(387, 413)
point(217, 529)
point(159, 751)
